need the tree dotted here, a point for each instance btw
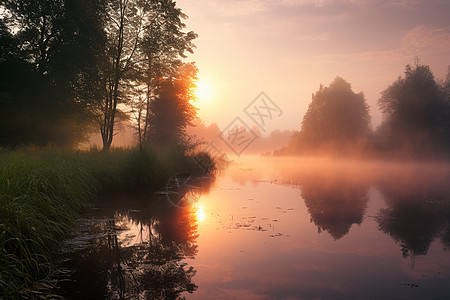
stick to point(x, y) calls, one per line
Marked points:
point(38, 30)
point(415, 113)
point(173, 110)
point(162, 46)
point(37, 79)
point(125, 19)
point(144, 43)
point(446, 96)
point(80, 60)
point(336, 119)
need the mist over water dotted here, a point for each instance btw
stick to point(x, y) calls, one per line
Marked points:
point(340, 228)
point(336, 193)
point(281, 228)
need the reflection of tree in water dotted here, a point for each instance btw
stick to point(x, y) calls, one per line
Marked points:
point(335, 203)
point(149, 265)
point(158, 260)
point(418, 212)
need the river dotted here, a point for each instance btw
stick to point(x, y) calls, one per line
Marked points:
point(270, 228)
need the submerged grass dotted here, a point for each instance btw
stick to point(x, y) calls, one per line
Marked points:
point(43, 192)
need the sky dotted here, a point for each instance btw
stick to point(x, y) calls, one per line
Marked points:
point(287, 48)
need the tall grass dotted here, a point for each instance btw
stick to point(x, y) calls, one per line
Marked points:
point(43, 192)
point(40, 198)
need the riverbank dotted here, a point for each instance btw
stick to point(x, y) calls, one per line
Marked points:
point(44, 192)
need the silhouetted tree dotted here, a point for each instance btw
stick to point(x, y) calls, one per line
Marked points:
point(337, 119)
point(69, 63)
point(124, 26)
point(163, 45)
point(144, 43)
point(38, 28)
point(415, 113)
point(172, 110)
point(44, 51)
point(446, 121)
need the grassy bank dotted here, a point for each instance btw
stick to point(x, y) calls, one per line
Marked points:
point(43, 192)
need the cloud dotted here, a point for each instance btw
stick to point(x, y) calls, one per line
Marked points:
point(240, 8)
point(232, 8)
point(300, 3)
point(402, 4)
point(313, 38)
point(420, 41)
point(424, 40)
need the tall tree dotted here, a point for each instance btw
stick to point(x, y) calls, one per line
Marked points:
point(88, 57)
point(36, 25)
point(415, 112)
point(123, 29)
point(163, 45)
point(145, 41)
point(336, 119)
point(44, 54)
point(173, 110)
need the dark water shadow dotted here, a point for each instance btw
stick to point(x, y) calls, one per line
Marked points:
point(418, 210)
point(334, 203)
point(130, 248)
point(417, 196)
point(335, 196)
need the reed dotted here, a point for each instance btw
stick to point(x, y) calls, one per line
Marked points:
point(40, 198)
point(42, 193)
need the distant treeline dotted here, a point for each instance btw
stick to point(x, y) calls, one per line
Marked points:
point(416, 120)
point(66, 66)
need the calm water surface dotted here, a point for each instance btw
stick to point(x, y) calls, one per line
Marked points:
point(272, 229)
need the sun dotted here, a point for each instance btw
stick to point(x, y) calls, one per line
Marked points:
point(199, 213)
point(203, 91)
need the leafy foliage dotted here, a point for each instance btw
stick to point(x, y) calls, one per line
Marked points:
point(67, 65)
point(337, 119)
point(37, 79)
point(172, 111)
point(416, 110)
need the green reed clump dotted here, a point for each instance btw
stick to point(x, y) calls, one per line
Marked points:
point(134, 170)
point(43, 192)
point(40, 198)
point(126, 169)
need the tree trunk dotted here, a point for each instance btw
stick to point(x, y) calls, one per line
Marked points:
point(107, 131)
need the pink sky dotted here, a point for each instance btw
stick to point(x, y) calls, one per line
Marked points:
point(287, 48)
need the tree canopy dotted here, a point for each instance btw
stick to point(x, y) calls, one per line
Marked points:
point(46, 47)
point(67, 65)
point(336, 120)
point(173, 110)
point(416, 113)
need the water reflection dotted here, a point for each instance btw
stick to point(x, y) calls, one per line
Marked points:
point(335, 193)
point(417, 212)
point(334, 203)
point(253, 237)
point(344, 262)
point(124, 253)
